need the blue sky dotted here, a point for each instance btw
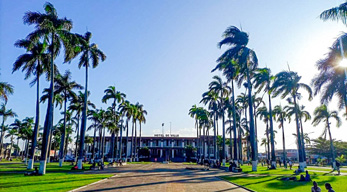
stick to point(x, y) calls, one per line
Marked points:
point(160, 53)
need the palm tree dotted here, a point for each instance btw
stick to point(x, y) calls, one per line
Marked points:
point(134, 118)
point(322, 114)
point(126, 110)
point(262, 81)
point(142, 119)
point(64, 87)
point(335, 13)
point(89, 51)
point(288, 83)
point(93, 116)
point(300, 110)
point(5, 90)
point(105, 120)
point(11, 133)
point(54, 31)
point(264, 143)
point(264, 115)
point(193, 113)
point(211, 98)
point(281, 116)
point(330, 81)
point(35, 62)
point(77, 106)
point(246, 61)
point(5, 113)
point(118, 97)
point(222, 89)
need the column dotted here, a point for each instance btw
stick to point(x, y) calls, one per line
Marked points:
point(172, 150)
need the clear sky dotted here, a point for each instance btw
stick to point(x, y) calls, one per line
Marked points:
point(161, 53)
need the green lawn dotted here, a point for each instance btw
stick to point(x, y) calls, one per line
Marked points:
point(56, 179)
point(273, 183)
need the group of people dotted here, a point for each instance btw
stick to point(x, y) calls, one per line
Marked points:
point(315, 187)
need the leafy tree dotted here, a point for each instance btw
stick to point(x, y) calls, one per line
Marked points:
point(53, 31)
point(6, 89)
point(288, 83)
point(322, 114)
point(5, 113)
point(90, 54)
point(246, 61)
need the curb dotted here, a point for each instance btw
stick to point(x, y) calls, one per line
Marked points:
point(73, 190)
point(236, 184)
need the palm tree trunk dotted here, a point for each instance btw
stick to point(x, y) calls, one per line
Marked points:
point(301, 160)
point(331, 146)
point(234, 121)
point(103, 146)
point(132, 143)
point(50, 146)
point(256, 128)
point(84, 122)
point(76, 144)
point(223, 124)
point(116, 146)
point(121, 141)
point(67, 144)
point(37, 120)
point(62, 140)
point(303, 140)
point(230, 140)
point(111, 151)
point(251, 127)
point(215, 137)
point(126, 142)
point(284, 145)
point(135, 149)
point(2, 135)
point(100, 143)
point(49, 117)
point(268, 140)
point(93, 146)
point(273, 155)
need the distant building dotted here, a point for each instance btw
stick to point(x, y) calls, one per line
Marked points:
point(161, 147)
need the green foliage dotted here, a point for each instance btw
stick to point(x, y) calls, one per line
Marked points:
point(190, 152)
point(144, 151)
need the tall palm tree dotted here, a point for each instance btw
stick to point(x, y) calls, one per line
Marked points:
point(54, 31)
point(64, 87)
point(230, 71)
point(77, 106)
point(193, 113)
point(322, 114)
point(288, 83)
point(263, 82)
point(281, 116)
point(90, 53)
point(223, 90)
point(142, 119)
point(11, 133)
point(264, 115)
point(133, 131)
point(93, 116)
point(35, 61)
point(5, 113)
point(118, 97)
point(300, 110)
point(211, 98)
point(246, 61)
point(126, 110)
point(330, 81)
point(5, 90)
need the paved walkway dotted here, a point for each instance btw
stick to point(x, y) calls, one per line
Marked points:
point(163, 177)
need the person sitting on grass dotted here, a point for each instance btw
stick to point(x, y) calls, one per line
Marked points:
point(328, 187)
point(315, 187)
point(302, 178)
point(308, 176)
point(298, 170)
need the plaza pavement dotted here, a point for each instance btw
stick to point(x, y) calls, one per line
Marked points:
point(173, 177)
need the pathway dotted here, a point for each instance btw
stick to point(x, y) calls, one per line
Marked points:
point(162, 177)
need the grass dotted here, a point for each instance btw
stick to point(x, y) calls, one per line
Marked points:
point(273, 183)
point(56, 179)
point(325, 169)
point(265, 180)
